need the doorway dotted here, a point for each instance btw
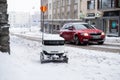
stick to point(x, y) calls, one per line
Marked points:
point(111, 26)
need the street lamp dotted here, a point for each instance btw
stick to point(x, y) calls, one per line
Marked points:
point(41, 17)
point(43, 9)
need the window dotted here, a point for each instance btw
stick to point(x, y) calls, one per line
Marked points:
point(82, 26)
point(119, 3)
point(68, 15)
point(50, 6)
point(58, 10)
point(62, 15)
point(62, 2)
point(91, 4)
point(75, 14)
point(113, 3)
point(76, 1)
point(69, 2)
point(68, 8)
point(50, 16)
point(63, 9)
point(54, 5)
point(99, 4)
point(113, 26)
point(75, 11)
point(65, 26)
point(75, 7)
point(107, 4)
point(58, 4)
point(58, 15)
point(54, 11)
point(58, 28)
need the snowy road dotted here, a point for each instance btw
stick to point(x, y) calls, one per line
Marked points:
point(24, 64)
point(106, 47)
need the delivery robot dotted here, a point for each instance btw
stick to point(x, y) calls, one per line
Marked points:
point(53, 49)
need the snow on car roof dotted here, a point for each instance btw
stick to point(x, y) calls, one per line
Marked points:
point(52, 37)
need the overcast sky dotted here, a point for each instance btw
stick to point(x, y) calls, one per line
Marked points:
point(23, 5)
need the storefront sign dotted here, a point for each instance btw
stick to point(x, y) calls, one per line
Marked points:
point(90, 14)
point(114, 24)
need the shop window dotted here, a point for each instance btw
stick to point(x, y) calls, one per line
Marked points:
point(117, 3)
point(113, 26)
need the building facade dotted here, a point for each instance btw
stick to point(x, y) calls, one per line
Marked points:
point(35, 19)
point(4, 27)
point(20, 19)
point(59, 12)
point(95, 12)
point(110, 22)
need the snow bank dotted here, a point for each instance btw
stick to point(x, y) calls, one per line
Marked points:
point(113, 39)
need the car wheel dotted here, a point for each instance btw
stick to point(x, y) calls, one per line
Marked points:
point(76, 40)
point(41, 57)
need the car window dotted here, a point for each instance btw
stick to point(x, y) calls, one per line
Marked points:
point(83, 26)
point(66, 26)
point(71, 27)
point(93, 26)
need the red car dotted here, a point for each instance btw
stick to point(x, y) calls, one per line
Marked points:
point(81, 33)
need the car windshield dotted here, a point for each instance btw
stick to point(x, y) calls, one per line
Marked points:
point(83, 26)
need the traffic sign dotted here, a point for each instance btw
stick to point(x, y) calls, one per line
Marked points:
point(43, 8)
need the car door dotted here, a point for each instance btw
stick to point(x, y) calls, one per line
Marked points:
point(64, 32)
point(71, 31)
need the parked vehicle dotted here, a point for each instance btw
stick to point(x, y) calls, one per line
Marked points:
point(82, 33)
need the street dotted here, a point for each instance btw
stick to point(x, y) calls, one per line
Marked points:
point(106, 47)
point(24, 63)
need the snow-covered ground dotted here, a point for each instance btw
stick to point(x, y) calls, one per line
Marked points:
point(24, 63)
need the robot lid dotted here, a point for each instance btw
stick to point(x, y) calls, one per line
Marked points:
point(52, 37)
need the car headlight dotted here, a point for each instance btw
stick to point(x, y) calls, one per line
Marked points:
point(102, 33)
point(85, 34)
